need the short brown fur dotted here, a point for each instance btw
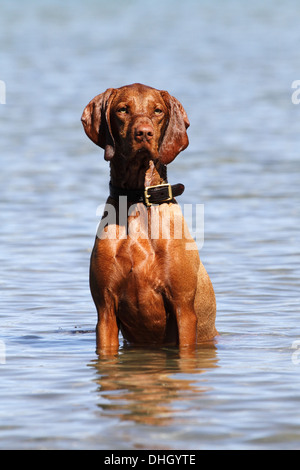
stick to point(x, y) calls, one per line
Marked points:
point(152, 289)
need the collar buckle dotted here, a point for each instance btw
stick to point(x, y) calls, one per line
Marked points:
point(166, 195)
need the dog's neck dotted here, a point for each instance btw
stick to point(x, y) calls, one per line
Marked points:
point(137, 173)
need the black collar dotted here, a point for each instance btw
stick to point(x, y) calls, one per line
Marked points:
point(150, 195)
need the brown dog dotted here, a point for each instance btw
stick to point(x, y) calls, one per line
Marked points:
point(145, 279)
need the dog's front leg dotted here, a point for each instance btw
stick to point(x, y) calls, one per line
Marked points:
point(107, 329)
point(107, 332)
point(187, 325)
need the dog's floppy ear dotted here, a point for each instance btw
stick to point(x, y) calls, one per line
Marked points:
point(175, 138)
point(96, 122)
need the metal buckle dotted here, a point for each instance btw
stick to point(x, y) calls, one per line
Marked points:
point(147, 196)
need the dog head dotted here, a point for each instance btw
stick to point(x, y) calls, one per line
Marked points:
point(137, 118)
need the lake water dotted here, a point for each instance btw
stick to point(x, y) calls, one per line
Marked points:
point(232, 64)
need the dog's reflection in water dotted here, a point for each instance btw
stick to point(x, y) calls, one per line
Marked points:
point(147, 385)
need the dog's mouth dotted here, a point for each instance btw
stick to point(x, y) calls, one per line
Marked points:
point(145, 147)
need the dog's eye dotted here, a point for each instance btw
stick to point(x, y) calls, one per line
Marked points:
point(122, 110)
point(158, 111)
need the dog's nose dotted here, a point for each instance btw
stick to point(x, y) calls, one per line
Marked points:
point(143, 132)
